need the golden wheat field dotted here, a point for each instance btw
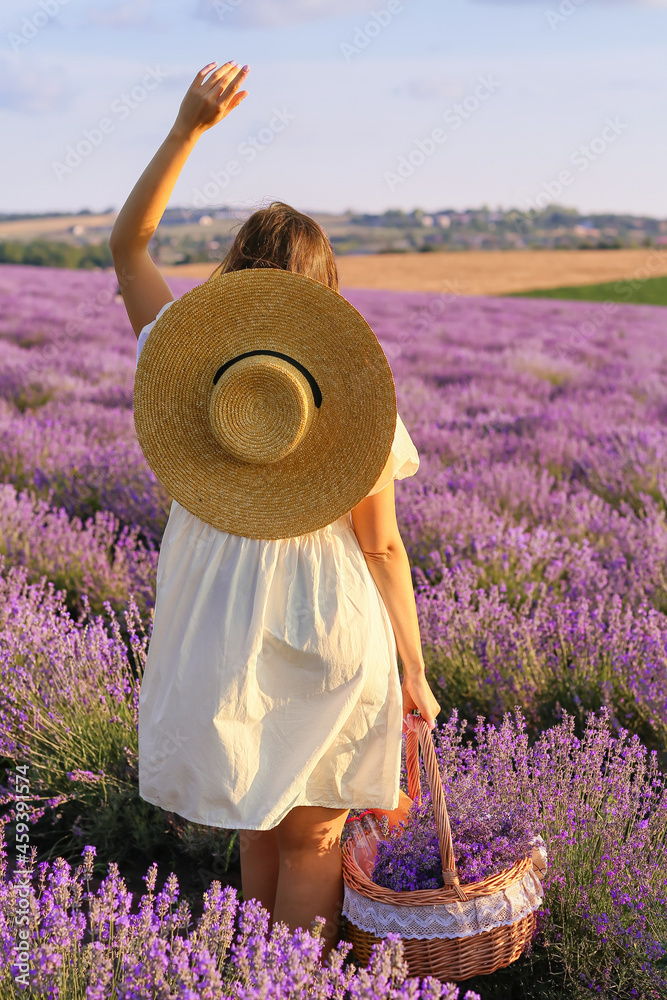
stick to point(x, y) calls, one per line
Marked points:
point(479, 272)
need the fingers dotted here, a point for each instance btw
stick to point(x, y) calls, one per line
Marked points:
point(411, 724)
point(236, 100)
point(222, 76)
point(419, 698)
point(202, 73)
point(232, 85)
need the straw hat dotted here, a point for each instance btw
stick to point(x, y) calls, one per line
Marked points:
point(264, 403)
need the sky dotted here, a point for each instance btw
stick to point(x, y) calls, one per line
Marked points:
point(360, 105)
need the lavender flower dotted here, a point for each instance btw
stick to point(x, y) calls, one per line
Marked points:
point(537, 536)
point(488, 837)
point(94, 944)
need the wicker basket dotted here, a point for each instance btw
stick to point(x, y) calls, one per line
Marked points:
point(447, 958)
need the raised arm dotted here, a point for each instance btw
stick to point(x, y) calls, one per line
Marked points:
point(206, 102)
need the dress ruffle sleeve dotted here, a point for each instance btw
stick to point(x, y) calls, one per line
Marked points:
point(403, 459)
point(143, 336)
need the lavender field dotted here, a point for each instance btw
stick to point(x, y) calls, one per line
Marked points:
point(536, 531)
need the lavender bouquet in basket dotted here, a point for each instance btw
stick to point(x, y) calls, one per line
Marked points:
point(485, 842)
point(490, 832)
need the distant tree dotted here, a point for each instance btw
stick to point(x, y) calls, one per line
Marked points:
point(51, 253)
point(11, 253)
point(43, 253)
point(95, 255)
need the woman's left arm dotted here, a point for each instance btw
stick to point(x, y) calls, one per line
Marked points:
point(142, 285)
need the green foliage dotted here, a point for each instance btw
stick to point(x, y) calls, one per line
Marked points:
point(53, 253)
point(640, 291)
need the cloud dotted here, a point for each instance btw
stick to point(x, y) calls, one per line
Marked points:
point(137, 14)
point(35, 90)
point(278, 13)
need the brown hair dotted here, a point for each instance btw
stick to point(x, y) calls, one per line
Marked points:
point(280, 236)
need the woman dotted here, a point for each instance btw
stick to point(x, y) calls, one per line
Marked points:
point(290, 854)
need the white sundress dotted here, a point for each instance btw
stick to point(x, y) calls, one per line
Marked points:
point(271, 679)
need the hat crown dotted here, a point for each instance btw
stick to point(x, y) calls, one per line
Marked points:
point(317, 445)
point(261, 408)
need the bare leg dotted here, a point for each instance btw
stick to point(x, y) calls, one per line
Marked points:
point(310, 879)
point(259, 866)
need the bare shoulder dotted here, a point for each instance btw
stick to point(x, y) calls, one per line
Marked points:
point(374, 522)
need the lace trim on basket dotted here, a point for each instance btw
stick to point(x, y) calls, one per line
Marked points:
point(446, 920)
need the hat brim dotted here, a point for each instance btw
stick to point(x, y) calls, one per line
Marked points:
point(346, 448)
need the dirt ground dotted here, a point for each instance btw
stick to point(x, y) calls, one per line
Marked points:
point(479, 272)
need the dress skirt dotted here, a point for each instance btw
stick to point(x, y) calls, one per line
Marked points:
point(271, 679)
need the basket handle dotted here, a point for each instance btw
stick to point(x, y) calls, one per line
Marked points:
point(422, 735)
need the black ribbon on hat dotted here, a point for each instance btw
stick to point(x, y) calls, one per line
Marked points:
point(317, 394)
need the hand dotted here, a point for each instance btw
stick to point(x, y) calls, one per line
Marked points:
point(417, 694)
point(207, 102)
